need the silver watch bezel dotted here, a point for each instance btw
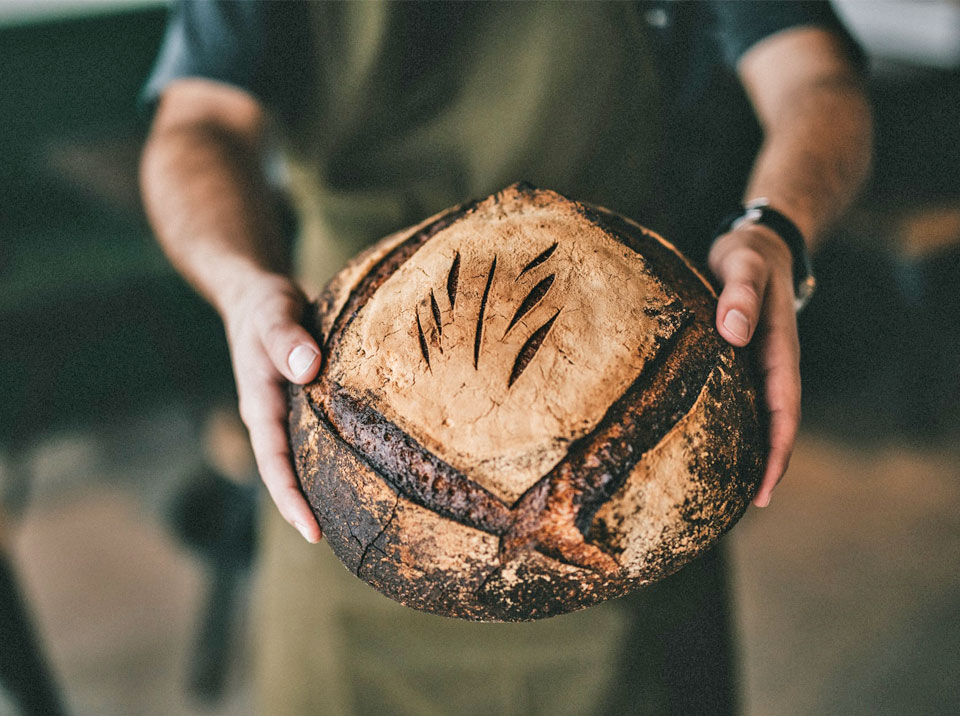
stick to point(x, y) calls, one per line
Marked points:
point(753, 211)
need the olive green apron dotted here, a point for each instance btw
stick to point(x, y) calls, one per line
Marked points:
point(415, 108)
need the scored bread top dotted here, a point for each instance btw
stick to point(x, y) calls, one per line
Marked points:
point(507, 336)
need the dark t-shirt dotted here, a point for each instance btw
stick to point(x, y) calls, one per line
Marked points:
point(262, 47)
point(709, 134)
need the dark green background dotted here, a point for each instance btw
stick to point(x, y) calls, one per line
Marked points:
point(93, 321)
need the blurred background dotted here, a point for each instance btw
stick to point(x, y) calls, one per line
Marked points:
point(126, 505)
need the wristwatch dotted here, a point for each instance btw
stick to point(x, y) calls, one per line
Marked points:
point(759, 211)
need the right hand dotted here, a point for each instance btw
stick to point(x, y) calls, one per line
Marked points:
point(755, 267)
point(268, 348)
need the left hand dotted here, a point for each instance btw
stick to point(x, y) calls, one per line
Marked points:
point(754, 266)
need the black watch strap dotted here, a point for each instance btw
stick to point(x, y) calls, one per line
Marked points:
point(759, 211)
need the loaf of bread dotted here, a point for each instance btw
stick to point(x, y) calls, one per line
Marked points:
point(523, 409)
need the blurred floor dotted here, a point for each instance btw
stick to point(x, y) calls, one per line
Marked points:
point(846, 587)
point(117, 598)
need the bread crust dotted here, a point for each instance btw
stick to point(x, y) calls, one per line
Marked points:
point(655, 454)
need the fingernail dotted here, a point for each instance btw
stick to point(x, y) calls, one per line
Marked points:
point(737, 324)
point(300, 360)
point(762, 501)
point(302, 529)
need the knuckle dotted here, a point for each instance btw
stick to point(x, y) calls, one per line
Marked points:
point(279, 458)
point(245, 410)
point(274, 329)
point(282, 305)
point(751, 261)
point(278, 346)
point(280, 337)
point(748, 291)
point(251, 413)
point(741, 260)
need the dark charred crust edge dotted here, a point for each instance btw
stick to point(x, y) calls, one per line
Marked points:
point(664, 262)
point(617, 456)
point(641, 418)
point(414, 471)
point(538, 591)
point(671, 268)
point(616, 448)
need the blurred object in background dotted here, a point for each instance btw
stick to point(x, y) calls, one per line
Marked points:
point(881, 343)
point(108, 367)
point(26, 684)
point(847, 584)
point(214, 515)
point(93, 321)
point(923, 33)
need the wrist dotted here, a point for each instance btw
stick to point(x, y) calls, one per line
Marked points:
point(238, 282)
point(771, 245)
point(759, 218)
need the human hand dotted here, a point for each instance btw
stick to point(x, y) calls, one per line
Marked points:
point(269, 347)
point(755, 267)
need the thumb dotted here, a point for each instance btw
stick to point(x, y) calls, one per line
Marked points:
point(744, 275)
point(292, 350)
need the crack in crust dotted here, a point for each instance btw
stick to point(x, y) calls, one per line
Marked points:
point(529, 349)
point(554, 515)
point(372, 543)
point(533, 297)
point(538, 259)
point(483, 307)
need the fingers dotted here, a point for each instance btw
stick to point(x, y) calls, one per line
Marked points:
point(780, 358)
point(269, 347)
point(744, 274)
point(755, 267)
point(292, 350)
point(263, 411)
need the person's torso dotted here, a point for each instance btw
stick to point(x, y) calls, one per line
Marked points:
point(415, 107)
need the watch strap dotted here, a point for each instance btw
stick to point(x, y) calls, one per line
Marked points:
point(759, 211)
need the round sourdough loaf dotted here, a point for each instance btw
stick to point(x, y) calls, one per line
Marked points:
point(523, 409)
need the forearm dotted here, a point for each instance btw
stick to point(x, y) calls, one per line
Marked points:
point(817, 131)
point(206, 199)
point(209, 205)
